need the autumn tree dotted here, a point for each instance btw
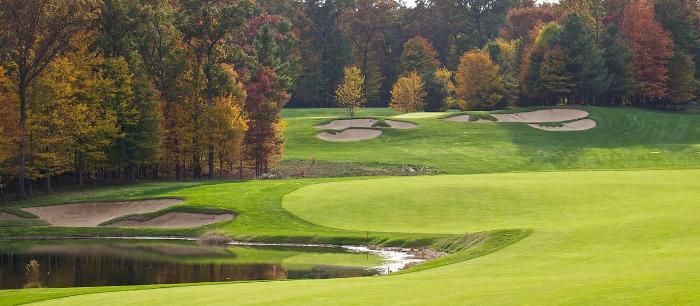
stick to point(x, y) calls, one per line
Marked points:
point(652, 47)
point(439, 90)
point(349, 93)
point(205, 26)
point(530, 74)
point(35, 32)
point(418, 55)
point(478, 82)
point(364, 27)
point(408, 94)
point(522, 20)
point(504, 54)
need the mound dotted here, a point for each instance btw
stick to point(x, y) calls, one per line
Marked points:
point(400, 124)
point(8, 217)
point(175, 220)
point(350, 135)
point(548, 115)
point(93, 214)
point(464, 118)
point(579, 125)
point(347, 123)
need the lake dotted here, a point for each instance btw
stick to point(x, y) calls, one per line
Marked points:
point(115, 262)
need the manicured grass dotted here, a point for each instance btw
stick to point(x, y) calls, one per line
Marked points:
point(626, 138)
point(610, 237)
point(578, 237)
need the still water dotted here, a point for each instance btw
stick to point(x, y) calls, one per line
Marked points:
point(84, 263)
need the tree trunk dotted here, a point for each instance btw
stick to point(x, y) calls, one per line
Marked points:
point(22, 129)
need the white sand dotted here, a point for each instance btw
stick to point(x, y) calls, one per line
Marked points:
point(347, 123)
point(465, 118)
point(7, 217)
point(548, 115)
point(400, 124)
point(175, 220)
point(580, 125)
point(350, 135)
point(93, 214)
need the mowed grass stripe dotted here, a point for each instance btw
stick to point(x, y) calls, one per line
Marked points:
point(592, 242)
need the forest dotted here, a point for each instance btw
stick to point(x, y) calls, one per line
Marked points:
point(115, 91)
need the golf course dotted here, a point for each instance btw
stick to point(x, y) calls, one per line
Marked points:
point(606, 215)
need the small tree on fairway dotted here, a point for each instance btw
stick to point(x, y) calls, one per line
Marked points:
point(408, 94)
point(349, 92)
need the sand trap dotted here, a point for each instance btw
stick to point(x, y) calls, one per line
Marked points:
point(350, 135)
point(175, 220)
point(548, 115)
point(347, 123)
point(400, 124)
point(94, 214)
point(8, 217)
point(580, 125)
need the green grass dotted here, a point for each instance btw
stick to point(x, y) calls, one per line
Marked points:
point(611, 237)
point(541, 234)
point(626, 138)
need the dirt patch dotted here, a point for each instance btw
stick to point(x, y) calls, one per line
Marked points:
point(175, 220)
point(579, 125)
point(9, 217)
point(350, 135)
point(347, 123)
point(548, 115)
point(94, 214)
point(400, 124)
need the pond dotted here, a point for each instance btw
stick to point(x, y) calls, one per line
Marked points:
point(109, 262)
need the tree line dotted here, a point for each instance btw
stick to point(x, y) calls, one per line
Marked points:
point(115, 90)
point(496, 53)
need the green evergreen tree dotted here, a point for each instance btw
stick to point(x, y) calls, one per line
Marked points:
point(618, 59)
point(590, 77)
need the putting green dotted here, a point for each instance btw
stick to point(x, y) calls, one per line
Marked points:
point(598, 237)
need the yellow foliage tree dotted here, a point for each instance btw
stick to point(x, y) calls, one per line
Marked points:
point(408, 94)
point(444, 77)
point(479, 84)
point(349, 93)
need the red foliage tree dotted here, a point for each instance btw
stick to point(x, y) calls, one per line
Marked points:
point(652, 47)
point(521, 21)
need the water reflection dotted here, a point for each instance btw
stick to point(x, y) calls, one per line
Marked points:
point(30, 264)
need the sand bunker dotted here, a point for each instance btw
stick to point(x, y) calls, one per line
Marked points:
point(350, 135)
point(9, 217)
point(94, 214)
point(400, 124)
point(175, 220)
point(548, 115)
point(579, 125)
point(347, 123)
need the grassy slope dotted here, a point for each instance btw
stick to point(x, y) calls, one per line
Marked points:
point(626, 138)
point(621, 247)
point(599, 237)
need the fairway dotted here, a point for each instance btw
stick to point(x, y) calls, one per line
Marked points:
point(597, 237)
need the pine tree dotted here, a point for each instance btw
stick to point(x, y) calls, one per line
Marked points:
point(586, 63)
point(555, 77)
point(681, 84)
point(618, 59)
